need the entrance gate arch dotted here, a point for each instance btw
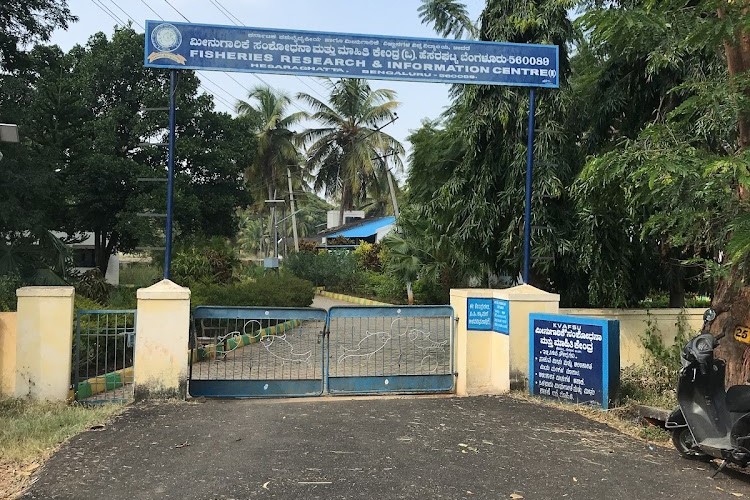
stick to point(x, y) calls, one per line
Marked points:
point(174, 46)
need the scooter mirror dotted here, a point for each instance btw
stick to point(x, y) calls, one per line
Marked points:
point(709, 315)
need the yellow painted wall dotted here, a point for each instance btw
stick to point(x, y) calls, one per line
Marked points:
point(7, 354)
point(524, 300)
point(44, 342)
point(475, 353)
point(160, 362)
point(634, 322)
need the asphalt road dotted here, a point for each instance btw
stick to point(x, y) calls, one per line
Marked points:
point(416, 447)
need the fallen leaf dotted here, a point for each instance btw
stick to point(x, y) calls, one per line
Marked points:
point(463, 445)
point(575, 480)
point(737, 494)
point(182, 445)
point(98, 427)
point(265, 485)
point(516, 496)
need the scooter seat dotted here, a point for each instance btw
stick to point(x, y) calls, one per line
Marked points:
point(738, 399)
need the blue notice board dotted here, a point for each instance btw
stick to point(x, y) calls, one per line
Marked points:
point(479, 314)
point(500, 316)
point(574, 358)
point(176, 45)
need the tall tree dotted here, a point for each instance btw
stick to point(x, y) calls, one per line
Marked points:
point(448, 18)
point(25, 22)
point(481, 204)
point(277, 148)
point(346, 151)
point(714, 120)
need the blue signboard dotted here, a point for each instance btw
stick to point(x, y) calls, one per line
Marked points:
point(479, 314)
point(574, 358)
point(500, 321)
point(176, 45)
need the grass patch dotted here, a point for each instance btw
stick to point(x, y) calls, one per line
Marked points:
point(139, 274)
point(31, 431)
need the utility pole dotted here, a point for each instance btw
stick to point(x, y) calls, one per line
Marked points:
point(294, 212)
point(393, 191)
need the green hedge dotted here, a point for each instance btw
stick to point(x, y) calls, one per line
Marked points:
point(273, 290)
point(334, 270)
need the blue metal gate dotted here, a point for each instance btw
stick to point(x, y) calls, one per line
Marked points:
point(284, 352)
point(256, 352)
point(390, 349)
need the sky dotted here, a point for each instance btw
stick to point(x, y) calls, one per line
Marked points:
point(384, 17)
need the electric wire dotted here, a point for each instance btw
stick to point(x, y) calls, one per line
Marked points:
point(237, 22)
point(111, 14)
point(175, 9)
point(226, 11)
point(151, 9)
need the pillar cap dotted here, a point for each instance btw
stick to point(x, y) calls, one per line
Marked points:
point(45, 291)
point(527, 293)
point(472, 292)
point(164, 290)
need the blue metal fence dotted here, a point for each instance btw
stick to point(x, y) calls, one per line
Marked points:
point(267, 352)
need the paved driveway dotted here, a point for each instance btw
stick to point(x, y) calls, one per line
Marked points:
point(437, 447)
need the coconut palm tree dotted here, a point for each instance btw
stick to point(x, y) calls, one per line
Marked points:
point(277, 148)
point(345, 150)
point(447, 17)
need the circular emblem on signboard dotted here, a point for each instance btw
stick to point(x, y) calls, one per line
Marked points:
point(166, 37)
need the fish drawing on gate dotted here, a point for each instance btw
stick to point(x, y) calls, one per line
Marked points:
point(284, 350)
point(423, 340)
point(362, 349)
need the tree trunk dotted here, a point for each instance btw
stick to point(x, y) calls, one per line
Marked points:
point(732, 305)
point(732, 298)
point(676, 286)
point(346, 202)
point(103, 249)
point(409, 293)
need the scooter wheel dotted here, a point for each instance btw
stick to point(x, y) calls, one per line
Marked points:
point(682, 439)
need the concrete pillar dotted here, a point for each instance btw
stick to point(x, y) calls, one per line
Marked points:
point(522, 301)
point(161, 342)
point(44, 342)
point(8, 354)
point(481, 356)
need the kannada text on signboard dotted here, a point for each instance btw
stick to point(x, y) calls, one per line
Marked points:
point(229, 48)
point(567, 360)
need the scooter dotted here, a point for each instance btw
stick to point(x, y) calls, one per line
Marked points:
point(711, 422)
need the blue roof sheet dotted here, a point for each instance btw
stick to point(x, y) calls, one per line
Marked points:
point(364, 230)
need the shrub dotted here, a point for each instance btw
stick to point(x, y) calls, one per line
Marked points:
point(384, 287)
point(139, 274)
point(368, 256)
point(82, 302)
point(654, 383)
point(210, 261)
point(8, 287)
point(427, 290)
point(272, 290)
point(308, 246)
point(123, 297)
point(334, 270)
point(92, 285)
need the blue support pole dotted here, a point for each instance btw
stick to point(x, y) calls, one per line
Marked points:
point(529, 177)
point(170, 175)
